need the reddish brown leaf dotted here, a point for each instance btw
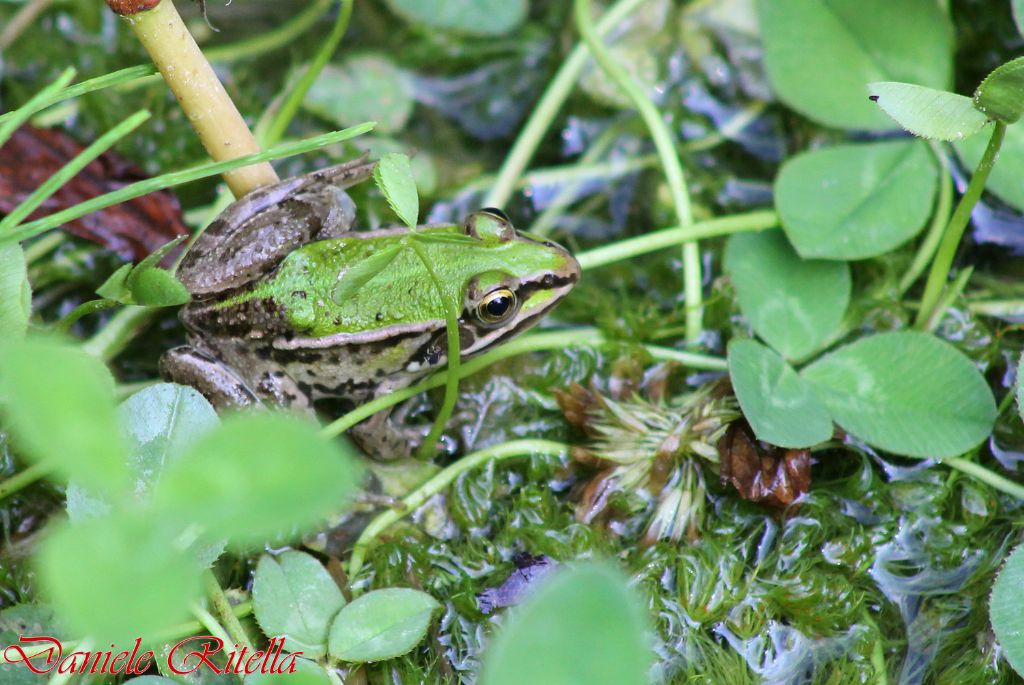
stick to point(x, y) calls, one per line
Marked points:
point(133, 229)
point(762, 473)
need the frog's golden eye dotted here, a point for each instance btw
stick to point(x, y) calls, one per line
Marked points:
point(497, 306)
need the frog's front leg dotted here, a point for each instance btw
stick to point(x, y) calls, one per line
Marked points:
point(381, 437)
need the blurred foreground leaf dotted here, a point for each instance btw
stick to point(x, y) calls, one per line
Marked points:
point(257, 476)
point(118, 578)
point(59, 404)
point(583, 627)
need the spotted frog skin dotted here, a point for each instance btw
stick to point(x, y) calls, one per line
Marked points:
point(291, 306)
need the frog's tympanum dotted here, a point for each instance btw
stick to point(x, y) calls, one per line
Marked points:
point(290, 306)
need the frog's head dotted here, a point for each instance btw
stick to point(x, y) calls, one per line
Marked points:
point(517, 280)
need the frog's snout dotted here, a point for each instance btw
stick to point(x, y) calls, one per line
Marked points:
point(576, 269)
point(570, 270)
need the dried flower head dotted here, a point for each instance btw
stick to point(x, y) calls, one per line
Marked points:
point(649, 452)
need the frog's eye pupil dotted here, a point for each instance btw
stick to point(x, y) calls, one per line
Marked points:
point(497, 306)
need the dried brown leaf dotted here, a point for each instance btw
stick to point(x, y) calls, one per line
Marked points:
point(133, 229)
point(762, 473)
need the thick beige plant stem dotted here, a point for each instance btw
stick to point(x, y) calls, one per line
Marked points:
point(190, 77)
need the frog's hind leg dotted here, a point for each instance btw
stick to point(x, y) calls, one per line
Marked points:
point(216, 382)
point(224, 388)
point(254, 234)
point(344, 175)
point(324, 192)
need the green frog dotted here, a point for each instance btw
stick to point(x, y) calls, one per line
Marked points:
point(291, 306)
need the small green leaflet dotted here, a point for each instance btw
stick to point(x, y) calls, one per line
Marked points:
point(1006, 612)
point(927, 112)
point(818, 55)
point(381, 625)
point(1001, 95)
point(393, 176)
point(145, 283)
point(906, 392)
point(295, 597)
point(780, 405)
point(794, 304)
point(365, 271)
point(856, 201)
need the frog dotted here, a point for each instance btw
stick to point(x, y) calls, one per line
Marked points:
point(291, 304)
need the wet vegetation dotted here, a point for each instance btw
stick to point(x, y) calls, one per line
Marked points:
point(797, 435)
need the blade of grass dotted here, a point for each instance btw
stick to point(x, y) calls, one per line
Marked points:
point(451, 391)
point(37, 102)
point(939, 272)
point(23, 479)
point(293, 100)
point(268, 41)
point(943, 205)
point(70, 170)
point(670, 163)
point(175, 178)
point(114, 78)
point(547, 108)
point(668, 237)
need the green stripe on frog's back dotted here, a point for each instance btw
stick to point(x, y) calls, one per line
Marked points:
point(303, 286)
point(343, 286)
point(312, 283)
